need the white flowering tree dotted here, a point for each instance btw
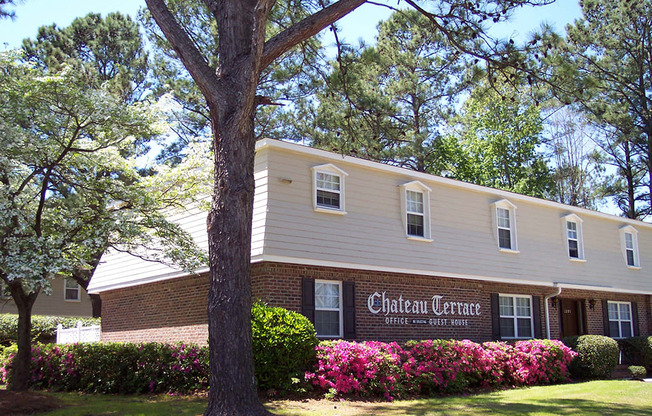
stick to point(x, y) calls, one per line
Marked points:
point(69, 191)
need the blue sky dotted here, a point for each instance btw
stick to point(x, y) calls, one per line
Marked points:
point(32, 14)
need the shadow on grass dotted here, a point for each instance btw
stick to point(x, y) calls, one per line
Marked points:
point(497, 405)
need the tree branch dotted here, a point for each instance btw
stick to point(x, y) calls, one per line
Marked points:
point(305, 29)
point(188, 53)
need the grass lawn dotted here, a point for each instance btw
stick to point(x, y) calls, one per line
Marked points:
point(623, 398)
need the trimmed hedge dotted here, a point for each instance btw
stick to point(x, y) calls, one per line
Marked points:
point(597, 356)
point(44, 328)
point(637, 351)
point(283, 346)
point(434, 367)
point(638, 372)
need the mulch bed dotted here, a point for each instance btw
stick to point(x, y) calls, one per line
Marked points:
point(26, 403)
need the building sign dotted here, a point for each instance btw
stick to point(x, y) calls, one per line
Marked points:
point(436, 311)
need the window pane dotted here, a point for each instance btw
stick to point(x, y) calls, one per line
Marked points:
point(503, 217)
point(327, 295)
point(326, 181)
point(625, 329)
point(524, 327)
point(573, 250)
point(328, 199)
point(506, 306)
point(571, 227)
point(327, 323)
point(625, 314)
point(613, 311)
point(507, 328)
point(415, 225)
point(629, 241)
point(414, 201)
point(614, 329)
point(72, 294)
point(630, 258)
point(523, 307)
point(504, 238)
point(71, 284)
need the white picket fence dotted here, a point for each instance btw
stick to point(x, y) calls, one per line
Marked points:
point(78, 334)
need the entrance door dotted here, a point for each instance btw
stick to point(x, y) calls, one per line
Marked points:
point(572, 320)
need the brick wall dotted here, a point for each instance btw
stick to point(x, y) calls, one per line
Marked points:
point(166, 311)
point(175, 309)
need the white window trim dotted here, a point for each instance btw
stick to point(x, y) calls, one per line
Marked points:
point(416, 186)
point(65, 291)
point(505, 204)
point(329, 169)
point(340, 310)
point(631, 318)
point(580, 237)
point(513, 296)
point(623, 245)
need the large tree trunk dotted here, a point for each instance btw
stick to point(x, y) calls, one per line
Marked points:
point(23, 359)
point(232, 383)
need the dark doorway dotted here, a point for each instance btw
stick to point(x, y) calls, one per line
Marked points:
point(572, 317)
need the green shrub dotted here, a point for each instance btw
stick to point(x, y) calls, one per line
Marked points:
point(637, 351)
point(283, 346)
point(638, 372)
point(597, 356)
point(44, 328)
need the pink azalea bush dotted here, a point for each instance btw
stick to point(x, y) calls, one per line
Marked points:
point(436, 366)
point(368, 368)
point(117, 368)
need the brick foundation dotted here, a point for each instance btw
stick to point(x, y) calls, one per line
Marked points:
point(175, 310)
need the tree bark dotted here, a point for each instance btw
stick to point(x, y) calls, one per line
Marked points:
point(233, 385)
point(23, 359)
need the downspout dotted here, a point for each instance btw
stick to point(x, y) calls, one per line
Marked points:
point(545, 300)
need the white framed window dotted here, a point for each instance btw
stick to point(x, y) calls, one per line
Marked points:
point(415, 203)
point(573, 236)
point(504, 219)
point(72, 290)
point(328, 308)
point(620, 319)
point(629, 245)
point(516, 317)
point(328, 189)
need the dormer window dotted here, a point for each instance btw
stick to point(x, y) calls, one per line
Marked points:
point(629, 246)
point(504, 215)
point(573, 236)
point(328, 186)
point(415, 201)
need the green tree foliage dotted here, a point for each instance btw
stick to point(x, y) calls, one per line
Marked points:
point(605, 65)
point(109, 50)
point(390, 102)
point(576, 162)
point(496, 142)
point(67, 191)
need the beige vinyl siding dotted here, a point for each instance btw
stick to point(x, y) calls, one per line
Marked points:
point(372, 235)
point(260, 203)
point(372, 232)
point(54, 304)
point(119, 269)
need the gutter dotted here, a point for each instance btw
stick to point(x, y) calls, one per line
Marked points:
point(545, 300)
